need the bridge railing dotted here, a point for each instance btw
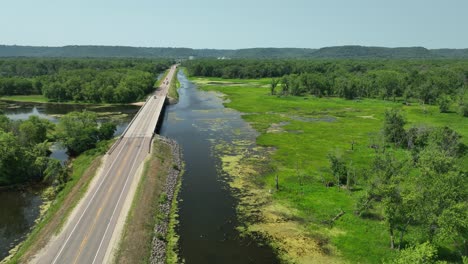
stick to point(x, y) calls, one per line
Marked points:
point(129, 125)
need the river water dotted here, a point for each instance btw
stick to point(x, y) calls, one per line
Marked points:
point(20, 208)
point(207, 209)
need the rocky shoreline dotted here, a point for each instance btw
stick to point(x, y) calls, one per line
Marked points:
point(159, 243)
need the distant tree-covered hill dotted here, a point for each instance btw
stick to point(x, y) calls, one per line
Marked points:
point(274, 53)
point(373, 52)
point(451, 53)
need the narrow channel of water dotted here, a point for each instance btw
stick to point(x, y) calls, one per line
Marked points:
point(20, 208)
point(207, 209)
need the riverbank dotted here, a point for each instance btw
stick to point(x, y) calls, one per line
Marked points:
point(26, 98)
point(148, 235)
point(280, 179)
point(40, 99)
point(54, 213)
point(175, 85)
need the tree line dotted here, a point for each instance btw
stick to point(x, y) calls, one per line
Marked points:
point(25, 146)
point(81, 80)
point(440, 82)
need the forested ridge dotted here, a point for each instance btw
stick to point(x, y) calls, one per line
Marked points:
point(81, 80)
point(349, 51)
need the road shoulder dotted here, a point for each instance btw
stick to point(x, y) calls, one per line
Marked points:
point(143, 238)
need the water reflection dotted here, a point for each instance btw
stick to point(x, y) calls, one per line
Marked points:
point(18, 211)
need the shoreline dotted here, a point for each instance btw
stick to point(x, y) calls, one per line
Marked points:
point(163, 246)
point(8, 100)
point(54, 213)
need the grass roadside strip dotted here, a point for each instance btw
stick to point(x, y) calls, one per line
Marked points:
point(84, 168)
point(175, 84)
point(160, 80)
point(152, 207)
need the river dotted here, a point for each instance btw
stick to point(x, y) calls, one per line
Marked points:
point(207, 209)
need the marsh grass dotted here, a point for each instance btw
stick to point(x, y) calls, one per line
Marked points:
point(311, 128)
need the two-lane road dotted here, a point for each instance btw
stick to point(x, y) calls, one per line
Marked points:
point(88, 234)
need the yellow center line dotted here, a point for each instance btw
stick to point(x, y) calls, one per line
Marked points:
point(106, 198)
point(85, 239)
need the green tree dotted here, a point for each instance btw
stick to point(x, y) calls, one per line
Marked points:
point(393, 129)
point(78, 131)
point(389, 84)
point(56, 174)
point(464, 110)
point(4, 122)
point(339, 169)
point(285, 85)
point(274, 82)
point(444, 104)
point(424, 253)
point(107, 130)
point(398, 200)
point(444, 188)
point(34, 130)
point(10, 159)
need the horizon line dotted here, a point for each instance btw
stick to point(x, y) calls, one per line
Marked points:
point(181, 47)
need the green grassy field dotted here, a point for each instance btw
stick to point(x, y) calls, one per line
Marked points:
point(303, 130)
point(37, 98)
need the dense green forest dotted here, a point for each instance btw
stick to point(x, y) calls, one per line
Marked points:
point(25, 144)
point(265, 53)
point(81, 80)
point(24, 149)
point(427, 81)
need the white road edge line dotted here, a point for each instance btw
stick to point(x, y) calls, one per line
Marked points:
point(87, 206)
point(118, 201)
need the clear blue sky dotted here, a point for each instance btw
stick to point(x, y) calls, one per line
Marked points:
point(235, 23)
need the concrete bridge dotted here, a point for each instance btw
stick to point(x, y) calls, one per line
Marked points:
point(94, 227)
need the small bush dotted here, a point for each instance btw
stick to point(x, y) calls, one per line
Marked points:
point(163, 198)
point(444, 104)
point(464, 110)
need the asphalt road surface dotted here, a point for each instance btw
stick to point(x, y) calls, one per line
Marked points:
point(87, 235)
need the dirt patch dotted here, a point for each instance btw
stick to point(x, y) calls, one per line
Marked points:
point(277, 127)
point(312, 119)
point(138, 103)
point(368, 117)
